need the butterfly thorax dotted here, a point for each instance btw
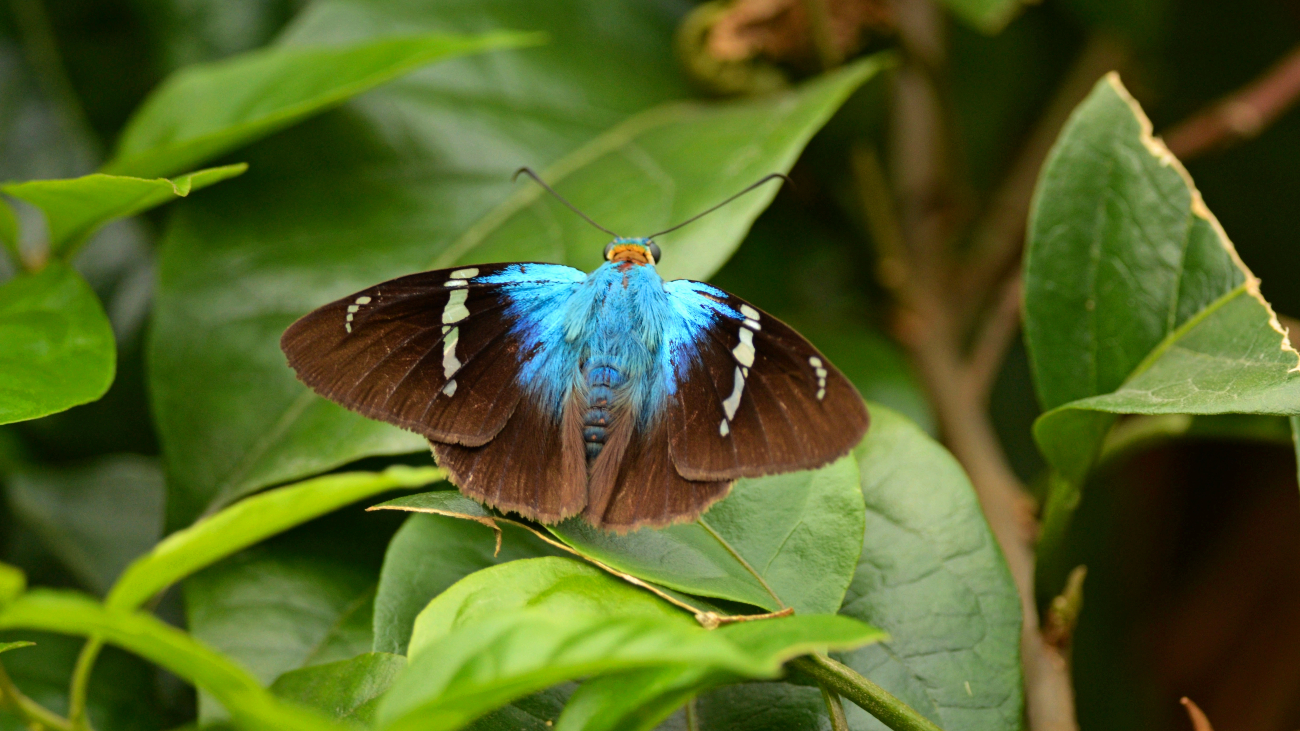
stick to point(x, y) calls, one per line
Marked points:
point(614, 322)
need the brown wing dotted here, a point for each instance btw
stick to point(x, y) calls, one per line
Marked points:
point(758, 399)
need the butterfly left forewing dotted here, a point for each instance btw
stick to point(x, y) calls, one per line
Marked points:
point(436, 352)
point(753, 397)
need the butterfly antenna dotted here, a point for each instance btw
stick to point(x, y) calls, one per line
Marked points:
point(529, 172)
point(698, 216)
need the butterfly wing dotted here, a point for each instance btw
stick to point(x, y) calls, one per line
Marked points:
point(753, 397)
point(436, 352)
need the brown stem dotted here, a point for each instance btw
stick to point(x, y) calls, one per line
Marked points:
point(1242, 115)
point(933, 322)
point(1199, 721)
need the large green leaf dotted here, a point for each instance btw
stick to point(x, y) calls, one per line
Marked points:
point(348, 690)
point(206, 109)
point(142, 634)
point(513, 629)
point(56, 346)
point(429, 554)
point(75, 208)
point(787, 540)
point(1136, 301)
point(932, 576)
point(96, 517)
point(417, 174)
point(250, 521)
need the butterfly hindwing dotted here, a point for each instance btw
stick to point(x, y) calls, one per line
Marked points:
point(753, 397)
point(436, 352)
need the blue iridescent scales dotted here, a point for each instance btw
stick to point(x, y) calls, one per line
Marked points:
point(614, 395)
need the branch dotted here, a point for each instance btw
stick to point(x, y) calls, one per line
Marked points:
point(843, 680)
point(1199, 721)
point(1242, 115)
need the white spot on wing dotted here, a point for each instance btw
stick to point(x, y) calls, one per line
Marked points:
point(450, 388)
point(724, 428)
point(363, 300)
point(465, 273)
point(450, 364)
point(820, 372)
point(733, 401)
point(745, 351)
point(353, 308)
point(455, 311)
point(455, 282)
point(749, 312)
point(815, 362)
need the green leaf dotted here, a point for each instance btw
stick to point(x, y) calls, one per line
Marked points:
point(69, 613)
point(564, 586)
point(75, 208)
point(231, 415)
point(932, 576)
point(787, 540)
point(204, 110)
point(1136, 301)
point(13, 582)
point(513, 629)
point(97, 517)
point(989, 16)
point(56, 346)
point(634, 700)
point(347, 690)
point(429, 554)
point(249, 521)
point(9, 233)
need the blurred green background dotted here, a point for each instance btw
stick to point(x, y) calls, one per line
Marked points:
point(1192, 546)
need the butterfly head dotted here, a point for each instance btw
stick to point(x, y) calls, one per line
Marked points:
point(634, 250)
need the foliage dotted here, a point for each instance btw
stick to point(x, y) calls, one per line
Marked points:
point(332, 580)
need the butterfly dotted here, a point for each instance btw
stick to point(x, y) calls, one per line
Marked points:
point(550, 392)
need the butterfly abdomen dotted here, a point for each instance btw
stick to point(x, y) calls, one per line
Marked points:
point(603, 380)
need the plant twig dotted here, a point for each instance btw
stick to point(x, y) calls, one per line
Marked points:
point(834, 708)
point(79, 687)
point(933, 321)
point(843, 680)
point(31, 712)
point(1242, 115)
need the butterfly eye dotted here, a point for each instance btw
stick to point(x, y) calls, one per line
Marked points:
point(608, 248)
point(654, 252)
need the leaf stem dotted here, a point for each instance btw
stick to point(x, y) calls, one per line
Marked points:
point(31, 712)
point(834, 708)
point(839, 678)
point(80, 685)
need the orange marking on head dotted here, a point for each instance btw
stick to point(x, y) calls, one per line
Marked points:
point(630, 253)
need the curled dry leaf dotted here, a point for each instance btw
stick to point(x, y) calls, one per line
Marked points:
point(1194, 712)
point(786, 31)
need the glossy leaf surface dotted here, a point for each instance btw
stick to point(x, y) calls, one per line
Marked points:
point(784, 540)
point(97, 517)
point(69, 613)
point(932, 576)
point(1136, 301)
point(250, 521)
point(56, 346)
point(429, 554)
point(347, 690)
point(232, 416)
point(204, 110)
point(75, 208)
point(516, 628)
